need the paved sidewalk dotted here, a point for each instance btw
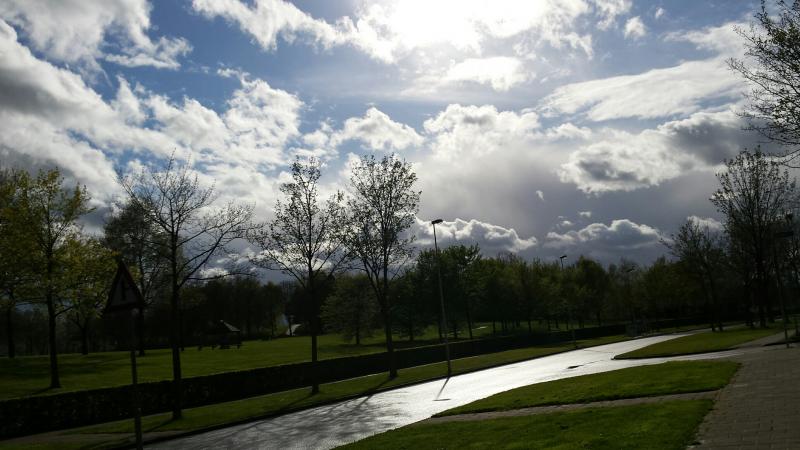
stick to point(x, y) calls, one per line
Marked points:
point(760, 408)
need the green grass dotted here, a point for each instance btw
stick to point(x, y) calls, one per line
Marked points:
point(668, 425)
point(646, 381)
point(700, 343)
point(30, 375)
point(283, 402)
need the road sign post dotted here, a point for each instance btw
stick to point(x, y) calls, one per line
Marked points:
point(125, 296)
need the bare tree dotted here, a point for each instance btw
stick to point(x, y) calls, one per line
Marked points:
point(753, 195)
point(304, 240)
point(174, 200)
point(773, 49)
point(382, 207)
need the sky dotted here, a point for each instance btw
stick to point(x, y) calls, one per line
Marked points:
point(543, 127)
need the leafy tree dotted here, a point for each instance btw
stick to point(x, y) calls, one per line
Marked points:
point(48, 214)
point(753, 196)
point(382, 207)
point(90, 271)
point(13, 248)
point(773, 49)
point(194, 231)
point(304, 240)
point(351, 309)
point(593, 278)
point(703, 256)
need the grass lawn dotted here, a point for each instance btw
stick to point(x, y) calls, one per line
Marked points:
point(646, 381)
point(700, 343)
point(30, 375)
point(668, 425)
point(283, 402)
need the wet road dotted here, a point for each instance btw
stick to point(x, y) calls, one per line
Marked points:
point(329, 426)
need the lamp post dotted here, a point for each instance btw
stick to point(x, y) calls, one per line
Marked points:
point(441, 297)
point(569, 315)
point(777, 235)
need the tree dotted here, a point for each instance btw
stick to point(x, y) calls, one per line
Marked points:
point(594, 279)
point(48, 213)
point(90, 271)
point(13, 248)
point(194, 231)
point(702, 253)
point(753, 196)
point(304, 240)
point(382, 207)
point(773, 46)
point(350, 310)
point(141, 245)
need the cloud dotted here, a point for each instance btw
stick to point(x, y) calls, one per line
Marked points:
point(706, 222)
point(492, 239)
point(659, 13)
point(609, 10)
point(378, 131)
point(474, 130)
point(585, 214)
point(51, 117)
point(85, 31)
point(635, 29)
point(500, 72)
point(656, 93)
point(392, 30)
point(268, 20)
point(626, 161)
point(621, 234)
point(540, 194)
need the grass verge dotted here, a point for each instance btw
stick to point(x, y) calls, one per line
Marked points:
point(661, 426)
point(239, 411)
point(675, 377)
point(700, 343)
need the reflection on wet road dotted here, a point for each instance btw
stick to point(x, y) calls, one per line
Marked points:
point(340, 423)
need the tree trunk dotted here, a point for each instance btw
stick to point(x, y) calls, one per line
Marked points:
point(389, 344)
point(55, 382)
point(469, 320)
point(10, 327)
point(174, 337)
point(85, 339)
point(140, 330)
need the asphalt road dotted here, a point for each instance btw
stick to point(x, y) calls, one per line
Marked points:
point(333, 425)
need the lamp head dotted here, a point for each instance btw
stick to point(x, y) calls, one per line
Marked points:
point(562, 256)
point(437, 221)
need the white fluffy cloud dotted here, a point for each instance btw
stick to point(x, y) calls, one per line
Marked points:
point(621, 234)
point(475, 130)
point(51, 117)
point(268, 20)
point(77, 31)
point(378, 132)
point(635, 29)
point(492, 239)
point(626, 161)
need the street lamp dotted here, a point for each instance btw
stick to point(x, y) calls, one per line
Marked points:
point(569, 315)
point(441, 296)
point(778, 235)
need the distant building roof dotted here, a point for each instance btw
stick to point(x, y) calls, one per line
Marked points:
point(223, 327)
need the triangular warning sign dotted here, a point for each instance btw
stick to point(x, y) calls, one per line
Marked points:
point(124, 294)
